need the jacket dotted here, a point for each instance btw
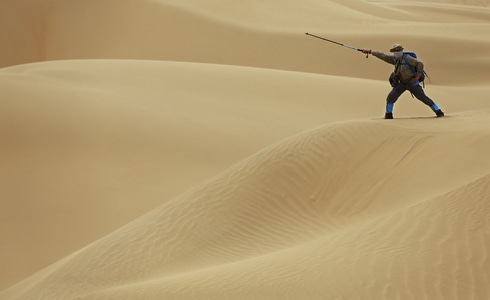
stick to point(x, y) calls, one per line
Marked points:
point(404, 73)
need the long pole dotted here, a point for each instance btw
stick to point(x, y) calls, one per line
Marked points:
point(344, 45)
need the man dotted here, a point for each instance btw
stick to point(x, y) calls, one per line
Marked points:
point(404, 78)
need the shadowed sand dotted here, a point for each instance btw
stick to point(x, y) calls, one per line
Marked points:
point(213, 151)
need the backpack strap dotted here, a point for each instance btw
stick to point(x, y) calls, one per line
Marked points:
point(405, 62)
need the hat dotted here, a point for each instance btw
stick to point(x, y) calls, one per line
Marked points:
point(396, 48)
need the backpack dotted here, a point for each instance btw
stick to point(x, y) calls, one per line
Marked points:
point(405, 62)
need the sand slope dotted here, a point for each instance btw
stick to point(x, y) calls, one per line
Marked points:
point(87, 138)
point(305, 218)
point(254, 156)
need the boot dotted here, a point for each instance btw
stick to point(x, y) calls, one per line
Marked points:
point(388, 115)
point(439, 113)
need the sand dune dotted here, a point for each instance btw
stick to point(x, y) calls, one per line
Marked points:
point(287, 220)
point(252, 34)
point(211, 150)
point(161, 128)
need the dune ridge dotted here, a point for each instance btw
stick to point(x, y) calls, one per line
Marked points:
point(309, 202)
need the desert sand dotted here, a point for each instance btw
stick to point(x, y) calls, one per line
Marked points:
point(160, 149)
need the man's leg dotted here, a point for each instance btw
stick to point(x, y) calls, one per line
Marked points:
point(419, 93)
point(391, 99)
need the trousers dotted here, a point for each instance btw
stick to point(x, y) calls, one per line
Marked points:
point(416, 91)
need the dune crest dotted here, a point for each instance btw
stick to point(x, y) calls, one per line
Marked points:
point(310, 202)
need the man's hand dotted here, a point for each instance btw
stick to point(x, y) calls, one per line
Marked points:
point(366, 51)
point(415, 79)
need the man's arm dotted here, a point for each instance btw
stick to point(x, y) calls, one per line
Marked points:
point(385, 57)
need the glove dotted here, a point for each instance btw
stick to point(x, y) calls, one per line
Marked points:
point(415, 81)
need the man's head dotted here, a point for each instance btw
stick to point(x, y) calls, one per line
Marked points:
point(396, 48)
